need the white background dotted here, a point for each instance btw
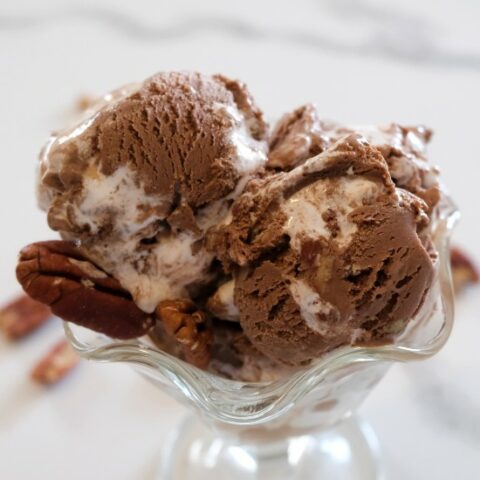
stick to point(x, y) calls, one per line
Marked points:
point(361, 62)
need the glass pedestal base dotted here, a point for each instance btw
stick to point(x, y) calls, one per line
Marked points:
point(348, 451)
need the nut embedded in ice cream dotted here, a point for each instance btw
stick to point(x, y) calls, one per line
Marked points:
point(325, 255)
point(222, 304)
point(139, 182)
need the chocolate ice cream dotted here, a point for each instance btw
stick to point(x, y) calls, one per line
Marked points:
point(296, 137)
point(139, 182)
point(302, 134)
point(325, 255)
point(242, 252)
point(234, 356)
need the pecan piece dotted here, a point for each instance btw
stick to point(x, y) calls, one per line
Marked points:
point(464, 271)
point(22, 316)
point(57, 274)
point(187, 325)
point(56, 364)
point(85, 102)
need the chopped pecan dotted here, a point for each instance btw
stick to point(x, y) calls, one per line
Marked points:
point(57, 274)
point(22, 316)
point(56, 364)
point(187, 325)
point(222, 304)
point(464, 270)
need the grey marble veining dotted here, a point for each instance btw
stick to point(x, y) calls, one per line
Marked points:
point(393, 34)
point(446, 404)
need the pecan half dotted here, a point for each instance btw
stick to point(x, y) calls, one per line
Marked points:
point(22, 316)
point(187, 325)
point(57, 274)
point(464, 271)
point(56, 364)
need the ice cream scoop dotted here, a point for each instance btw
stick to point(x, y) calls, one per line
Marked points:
point(139, 182)
point(327, 254)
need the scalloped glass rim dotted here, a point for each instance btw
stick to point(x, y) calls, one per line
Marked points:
point(260, 402)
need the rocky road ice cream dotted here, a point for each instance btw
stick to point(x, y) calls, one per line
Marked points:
point(245, 251)
point(302, 134)
point(327, 254)
point(139, 182)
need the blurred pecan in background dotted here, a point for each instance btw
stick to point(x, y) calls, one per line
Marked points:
point(187, 325)
point(57, 274)
point(56, 364)
point(22, 316)
point(464, 270)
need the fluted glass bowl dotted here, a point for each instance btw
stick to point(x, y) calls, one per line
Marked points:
point(300, 426)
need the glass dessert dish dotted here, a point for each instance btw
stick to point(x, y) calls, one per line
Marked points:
point(302, 426)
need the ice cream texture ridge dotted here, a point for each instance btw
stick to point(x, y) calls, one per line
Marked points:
point(246, 250)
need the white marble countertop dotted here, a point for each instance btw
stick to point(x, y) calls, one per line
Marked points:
point(361, 61)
